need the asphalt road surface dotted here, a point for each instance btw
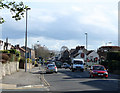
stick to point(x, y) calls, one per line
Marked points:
point(66, 80)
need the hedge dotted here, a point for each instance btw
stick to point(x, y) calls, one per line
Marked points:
point(113, 56)
point(5, 57)
point(4, 51)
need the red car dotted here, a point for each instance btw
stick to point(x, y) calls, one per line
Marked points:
point(98, 71)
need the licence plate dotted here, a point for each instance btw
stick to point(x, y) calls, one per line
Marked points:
point(100, 74)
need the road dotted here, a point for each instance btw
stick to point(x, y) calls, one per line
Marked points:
point(66, 80)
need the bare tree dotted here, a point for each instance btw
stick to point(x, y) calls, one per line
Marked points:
point(41, 51)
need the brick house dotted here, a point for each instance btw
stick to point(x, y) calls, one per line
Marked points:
point(31, 53)
point(102, 51)
point(22, 51)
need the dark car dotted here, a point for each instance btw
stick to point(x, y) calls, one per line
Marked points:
point(58, 64)
point(65, 65)
point(98, 71)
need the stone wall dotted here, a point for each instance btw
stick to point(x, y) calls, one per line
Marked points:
point(8, 68)
point(0, 70)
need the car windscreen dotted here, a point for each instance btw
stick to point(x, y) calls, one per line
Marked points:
point(78, 62)
point(98, 68)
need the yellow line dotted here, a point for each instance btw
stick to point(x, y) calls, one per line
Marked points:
point(44, 81)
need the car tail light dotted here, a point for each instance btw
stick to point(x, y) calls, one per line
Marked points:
point(55, 67)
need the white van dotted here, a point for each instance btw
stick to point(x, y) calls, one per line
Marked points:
point(77, 64)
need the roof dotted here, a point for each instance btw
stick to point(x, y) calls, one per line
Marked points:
point(110, 47)
point(27, 48)
point(22, 49)
point(72, 50)
point(90, 52)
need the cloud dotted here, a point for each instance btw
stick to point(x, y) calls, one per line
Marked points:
point(53, 44)
point(63, 1)
point(99, 17)
point(57, 24)
point(47, 19)
point(75, 8)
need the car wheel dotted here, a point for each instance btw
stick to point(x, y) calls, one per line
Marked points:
point(55, 71)
point(72, 70)
point(90, 76)
point(82, 70)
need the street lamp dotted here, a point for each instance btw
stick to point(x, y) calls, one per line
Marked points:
point(86, 46)
point(26, 42)
point(37, 52)
point(86, 39)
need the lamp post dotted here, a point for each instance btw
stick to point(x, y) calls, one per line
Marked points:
point(86, 39)
point(86, 46)
point(37, 51)
point(26, 42)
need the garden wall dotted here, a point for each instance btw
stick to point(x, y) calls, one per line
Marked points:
point(8, 68)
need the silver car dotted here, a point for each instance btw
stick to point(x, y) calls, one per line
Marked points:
point(51, 68)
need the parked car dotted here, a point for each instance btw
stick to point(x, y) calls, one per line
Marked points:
point(98, 71)
point(65, 65)
point(58, 64)
point(50, 68)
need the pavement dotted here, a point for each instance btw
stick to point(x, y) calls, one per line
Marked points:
point(24, 80)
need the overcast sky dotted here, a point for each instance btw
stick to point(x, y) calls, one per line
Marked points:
point(57, 23)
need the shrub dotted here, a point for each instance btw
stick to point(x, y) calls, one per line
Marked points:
point(113, 56)
point(28, 59)
point(13, 51)
point(12, 57)
point(114, 65)
point(5, 57)
point(4, 51)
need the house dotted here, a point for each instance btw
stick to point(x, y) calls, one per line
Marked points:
point(80, 52)
point(65, 56)
point(5, 45)
point(92, 58)
point(1, 45)
point(102, 51)
point(31, 53)
point(21, 50)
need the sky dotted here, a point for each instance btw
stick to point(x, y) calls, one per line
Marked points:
point(57, 23)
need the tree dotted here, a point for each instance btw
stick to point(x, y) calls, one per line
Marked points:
point(17, 10)
point(42, 52)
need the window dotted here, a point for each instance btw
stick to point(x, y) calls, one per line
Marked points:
point(78, 62)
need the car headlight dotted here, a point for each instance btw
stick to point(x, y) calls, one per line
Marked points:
point(106, 73)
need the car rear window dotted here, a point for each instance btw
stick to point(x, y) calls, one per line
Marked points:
point(51, 65)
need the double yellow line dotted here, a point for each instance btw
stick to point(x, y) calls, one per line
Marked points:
point(43, 79)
